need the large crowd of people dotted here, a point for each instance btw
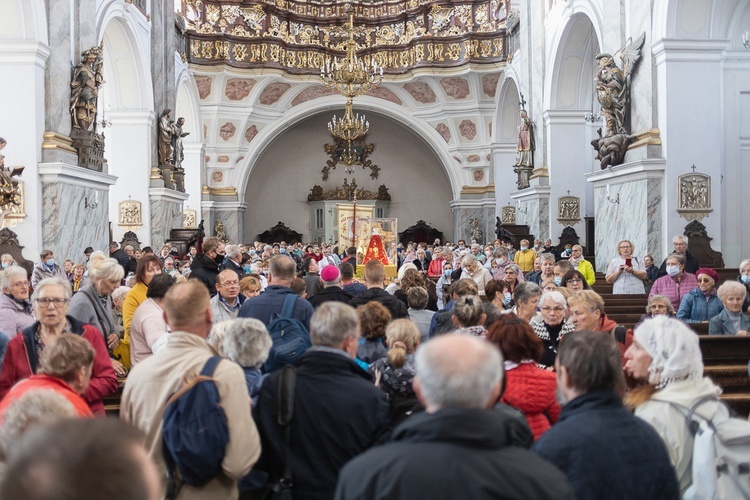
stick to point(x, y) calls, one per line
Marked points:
point(475, 372)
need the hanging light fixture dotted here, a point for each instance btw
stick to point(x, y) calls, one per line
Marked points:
point(350, 77)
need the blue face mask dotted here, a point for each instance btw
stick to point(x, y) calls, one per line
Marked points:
point(247, 269)
point(50, 262)
point(506, 298)
point(252, 252)
point(282, 250)
point(448, 272)
point(745, 277)
point(4, 264)
point(558, 280)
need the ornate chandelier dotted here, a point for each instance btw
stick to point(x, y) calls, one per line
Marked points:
point(350, 77)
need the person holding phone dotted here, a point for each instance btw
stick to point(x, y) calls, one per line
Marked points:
point(625, 272)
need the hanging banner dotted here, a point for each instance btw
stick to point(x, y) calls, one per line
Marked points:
point(346, 226)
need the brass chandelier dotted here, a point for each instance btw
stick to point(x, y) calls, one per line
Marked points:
point(350, 77)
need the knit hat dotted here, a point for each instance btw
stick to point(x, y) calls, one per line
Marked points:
point(330, 273)
point(674, 350)
point(708, 272)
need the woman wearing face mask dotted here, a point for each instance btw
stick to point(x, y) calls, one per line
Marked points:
point(46, 268)
point(582, 265)
point(444, 283)
point(625, 273)
point(7, 260)
point(677, 283)
point(744, 278)
point(524, 258)
point(499, 294)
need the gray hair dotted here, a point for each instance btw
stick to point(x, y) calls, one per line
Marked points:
point(105, 269)
point(468, 260)
point(514, 268)
point(500, 251)
point(216, 337)
point(36, 407)
point(120, 292)
point(525, 291)
point(417, 297)
point(53, 281)
point(332, 323)
point(7, 257)
point(247, 342)
point(10, 274)
point(679, 258)
point(731, 288)
point(451, 381)
point(680, 237)
point(555, 297)
point(744, 263)
point(233, 251)
point(660, 298)
point(546, 256)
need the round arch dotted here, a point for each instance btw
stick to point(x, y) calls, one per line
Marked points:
point(506, 113)
point(575, 43)
point(187, 102)
point(421, 129)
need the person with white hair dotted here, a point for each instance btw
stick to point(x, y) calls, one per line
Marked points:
point(15, 306)
point(473, 270)
point(665, 354)
point(732, 320)
point(233, 260)
point(553, 326)
point(246, 342)
point(459, 381)
point(680, 244)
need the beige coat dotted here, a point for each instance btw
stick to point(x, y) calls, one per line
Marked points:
point(152, 381)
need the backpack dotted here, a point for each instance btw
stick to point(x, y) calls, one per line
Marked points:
point(195, 431)
point(721, 453)
point(289, 336)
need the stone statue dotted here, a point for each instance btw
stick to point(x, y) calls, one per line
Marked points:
point(526, 144)
point(475, 233)
point(9, 187)
point(177, 135)
point(219, 231)
point(613, 94)
point(84, 89)
point(164, 142)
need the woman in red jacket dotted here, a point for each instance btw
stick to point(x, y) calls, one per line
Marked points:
point(529, 388)
point(51, 300)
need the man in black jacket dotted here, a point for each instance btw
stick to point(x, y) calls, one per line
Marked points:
point(117, 253)
point(603, 449)
point(205, 265)
point(332, 290)
point(458, 448)
point(374, 277)
point(338, 413)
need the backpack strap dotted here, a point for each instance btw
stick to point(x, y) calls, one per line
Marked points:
point(210, 366)
point(288, 308)
point(692, 423)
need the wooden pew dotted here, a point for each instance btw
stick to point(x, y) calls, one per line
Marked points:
point(725, 360)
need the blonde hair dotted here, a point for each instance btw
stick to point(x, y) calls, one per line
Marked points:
point(403, 338)
point(588, 299)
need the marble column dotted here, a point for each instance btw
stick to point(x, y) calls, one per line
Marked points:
point(166, 214)
point(74, 209)
point(629, 204)
point(464, 211)
point(230, 213)
point(162, 58)
point(193, 165)
point(503, 159)
point(533, 210)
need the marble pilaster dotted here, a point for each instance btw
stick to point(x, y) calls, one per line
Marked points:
point(628, 204)
point(231, 214)
point(464, 211)
point(166, 213)
point(532, 209)
point(74, 209)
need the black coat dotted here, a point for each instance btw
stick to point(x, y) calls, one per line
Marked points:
point(121, 257)
point(205, 269)
point(338, 414)
point(607, 452)
point(397, 308)
point(232, 266)
point(330, 293)
point(452, 453)
point(431, 302)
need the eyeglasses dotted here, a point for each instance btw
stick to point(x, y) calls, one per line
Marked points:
point(22, 284)
point(57, 302)
point(624, 246)
point(574, 280)
point(705, 280)
point(231, 283)
point(556, 310)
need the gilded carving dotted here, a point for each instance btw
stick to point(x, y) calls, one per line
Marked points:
point(347, 191)
point(189, 219)
point(568, 210)
point(129, 214)
point(508, 215)
point(694, 195)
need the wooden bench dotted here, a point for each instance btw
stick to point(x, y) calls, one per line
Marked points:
point(725, 360)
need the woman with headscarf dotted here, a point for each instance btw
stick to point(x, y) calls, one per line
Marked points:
point(666, 356)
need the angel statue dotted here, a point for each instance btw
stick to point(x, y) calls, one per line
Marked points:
point(613, 94)
point(613, 85)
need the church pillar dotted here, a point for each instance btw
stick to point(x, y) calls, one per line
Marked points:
point(503, 159)
point(128, 144)
point(695, 140)
point(533, 207)
point(232, 217)
point(166, 214)
point(473, 219)
point(569, 157)
point(22, 64)
point(629, 203)
point(193, 165)
point(74, 212)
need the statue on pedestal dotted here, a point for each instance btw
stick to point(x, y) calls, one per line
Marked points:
point(525, 149)
point(613, 94)
point(164, 141)
point(9, 187)
point(84, 91)
point(177, 135)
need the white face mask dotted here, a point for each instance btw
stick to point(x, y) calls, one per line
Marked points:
point(673, 270)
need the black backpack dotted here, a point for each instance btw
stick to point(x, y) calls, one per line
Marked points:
point(289, 336)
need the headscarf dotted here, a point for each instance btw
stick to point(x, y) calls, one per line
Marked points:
point(673, 348)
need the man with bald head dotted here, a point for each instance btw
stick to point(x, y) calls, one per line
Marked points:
point(187, 311)
point(226, 304)
point(460, 447)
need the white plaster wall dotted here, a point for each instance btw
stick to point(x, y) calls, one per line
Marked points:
point(281, 180)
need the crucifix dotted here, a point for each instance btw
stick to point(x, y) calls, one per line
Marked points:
point(522, 102)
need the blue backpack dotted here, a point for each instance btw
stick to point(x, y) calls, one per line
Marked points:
point(289, 336)
point(195, 432)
